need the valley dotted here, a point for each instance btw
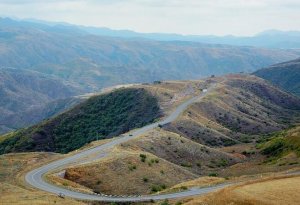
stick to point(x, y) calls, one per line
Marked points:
point(72, 61)
point(214, 140)
point(149, 102)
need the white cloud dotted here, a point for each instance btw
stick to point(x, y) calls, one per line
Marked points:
point(240, 17)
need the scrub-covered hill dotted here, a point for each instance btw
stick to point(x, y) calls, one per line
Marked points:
point(98, 117)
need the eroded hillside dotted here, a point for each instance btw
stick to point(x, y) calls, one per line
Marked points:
point(238, 110)
point(193, 145)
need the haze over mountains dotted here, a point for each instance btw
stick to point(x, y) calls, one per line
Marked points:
point(269, 38)
point(74, 60)
point(94, 62)
point(28, 97)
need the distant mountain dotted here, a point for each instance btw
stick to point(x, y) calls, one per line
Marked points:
point(268, 39)
point(92, 62)
point(285, 75)
point(26, 97)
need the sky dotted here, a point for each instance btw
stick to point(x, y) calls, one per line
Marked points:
point(197, 17)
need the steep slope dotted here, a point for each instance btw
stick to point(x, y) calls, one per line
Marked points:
point(100, 117)
point(93, 62)
point(22, 91)
point(284, 75)
point(282, 144)
point(228, 116)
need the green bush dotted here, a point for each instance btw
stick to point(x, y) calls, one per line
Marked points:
point(213, 174)
point(157, 188)
point(143, 157)
point(145, 179)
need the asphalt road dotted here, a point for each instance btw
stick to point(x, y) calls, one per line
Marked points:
point(35, 177)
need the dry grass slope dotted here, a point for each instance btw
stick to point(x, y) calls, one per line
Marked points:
point(275, 191)
point(13, 189)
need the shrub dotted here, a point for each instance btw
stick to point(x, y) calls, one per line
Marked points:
point(132, 167)
point(183, 188)
point(145, 179)
point(186, 164)
point(213, 174)
point(222, 163)
point(165, 202)
point(143, 157)
point(157, 188)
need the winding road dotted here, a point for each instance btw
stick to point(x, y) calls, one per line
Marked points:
point(35, 177)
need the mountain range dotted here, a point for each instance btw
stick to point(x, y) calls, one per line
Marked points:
point(269, 38)
point(93, 61)
point(44, 65)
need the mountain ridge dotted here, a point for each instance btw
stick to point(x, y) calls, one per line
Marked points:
point(285, 75)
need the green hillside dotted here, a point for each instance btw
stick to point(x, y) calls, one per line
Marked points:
point(104, 116)
point(283, 143)
point(285, 75)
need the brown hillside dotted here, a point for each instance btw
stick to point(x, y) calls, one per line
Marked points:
point(240, 108)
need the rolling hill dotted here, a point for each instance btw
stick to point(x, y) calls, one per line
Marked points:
point(285, 75)
point(99, 117)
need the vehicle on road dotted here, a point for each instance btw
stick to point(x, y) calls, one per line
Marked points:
point(61, 195)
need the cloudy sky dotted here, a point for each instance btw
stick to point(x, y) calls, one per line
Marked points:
point(219, 17)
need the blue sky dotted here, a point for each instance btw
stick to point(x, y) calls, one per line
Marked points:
point(218, 17)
